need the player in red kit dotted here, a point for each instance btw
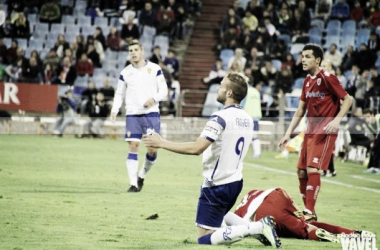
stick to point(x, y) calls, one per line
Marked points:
point(321, 95)
point(290, 222)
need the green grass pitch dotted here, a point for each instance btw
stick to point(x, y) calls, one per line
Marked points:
point(71, 194)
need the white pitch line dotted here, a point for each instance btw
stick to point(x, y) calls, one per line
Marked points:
point(365, 179)
point(323, 180)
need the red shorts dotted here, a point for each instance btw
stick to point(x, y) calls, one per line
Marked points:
point(316, 151)
point(279, 205)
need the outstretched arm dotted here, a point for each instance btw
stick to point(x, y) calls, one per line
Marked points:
point(189, 148)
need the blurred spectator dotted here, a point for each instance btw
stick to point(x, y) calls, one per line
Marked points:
point(375, 77)
point(239, 10)
point(79, 46)
point(14, 72)
point(3, 52)
point(7, 29)
point(369, 92)
point(250, 21)
point(271, 13)
point(247, 40)
point(113, 40)
point(88, 95)
point(48, 74)
point(52, 59)
point(299, 26)
point(147, 16)
point(216, 74)
point(231, 20)
point(69, 54)
point(239, 58)
point(349, 58)
point(365, 58)
point(304, 12)
point(66, 109)
point(61, 45)
point(268, 73)
point(334, 55)
point(94, 12)
point(3, 15)
point(357, 12)
point(353, 81)
point(323, 9)
point(373, 123)
point(129, 31)
point(172, 63)
point(374, 20)
point(356, 128)
point(297, 69)
point(98, 48)
point(235, 67)
point(66, 73)
point(20, 56)
point(50, 12)
point(98, 111)
point(288, 62)
point(340, 10)
point(156, 55)
point(182, 23)
point(168, 11)
point(108, 91)
point(99, 37)
point(284, 81)
point(93, 56)
point(21, 26)
point(36, 55)
point(279, 50)
point(254, 7)
point(127, 10)
point(327, 66)
point(284, 22)
point(32, 72)
point(84, 66)
point(373, 43)
point(165, 26)
point(342, 79)
point(229, 40)
point(361, 89)
point(12, 51)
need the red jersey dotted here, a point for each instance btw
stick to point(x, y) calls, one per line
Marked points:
point(251, 202)
point(322, 94)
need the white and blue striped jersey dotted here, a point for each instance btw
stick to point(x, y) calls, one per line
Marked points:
point(231, 131)
point(138, 85)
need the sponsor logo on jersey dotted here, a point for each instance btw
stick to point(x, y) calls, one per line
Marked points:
point(149, 70)
point(315, 94)
point(319, 81)
point(315, 160)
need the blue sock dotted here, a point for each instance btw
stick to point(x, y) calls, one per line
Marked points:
point(151, 157)
point(205, 240)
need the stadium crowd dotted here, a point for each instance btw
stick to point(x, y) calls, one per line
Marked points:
point(83, 44)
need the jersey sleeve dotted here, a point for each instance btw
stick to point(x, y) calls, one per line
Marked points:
point(119, 94)
point(162, 87)
point(214, 128)
point(333, 84)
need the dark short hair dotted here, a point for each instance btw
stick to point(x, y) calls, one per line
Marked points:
point(135, 42)
point(367, 111)
point(317, 50)
point(238, 84)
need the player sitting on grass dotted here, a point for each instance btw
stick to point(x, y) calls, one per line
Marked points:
point(290, 221)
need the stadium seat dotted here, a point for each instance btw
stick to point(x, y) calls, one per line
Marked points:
point(347, 74)
point(149, 32)
point(315, 39)
point(225, 55)
point(334, 24)
point(36, 44)
point(296, 48)
point(243, 3)
point(111, 55)
point(44, 52)
point(214, 88)
point(69, 3)
point(292, 101)
point(349, 28)
point(22, 43)
point(42, 27)
point(7, 42)
point(28, 52)
point(298, 83)
point(315, 32)
point(277, 64)
point(318, 23)
point(49, 43)
point(52, 36)
point(73, 28)
point(32, 18)
point(68, 19)
point(330, 40)
point(57, 28)
point(346, 41)
point(362, 37)
point(285, 38)
point(84, 20)
point(101, 21)
point(123, 55)
point(211, 105)
point(333, 32)
point(88, 31)
point(81, 81)
point(80, 4)
point(71, 37)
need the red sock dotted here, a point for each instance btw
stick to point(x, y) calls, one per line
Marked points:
point(303, 184)
point(332, 228)
point(312, 190)
point(312, 235)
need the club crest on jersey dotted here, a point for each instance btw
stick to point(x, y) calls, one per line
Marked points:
point(149, 70)
point(319, 81)
point(129, 133)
